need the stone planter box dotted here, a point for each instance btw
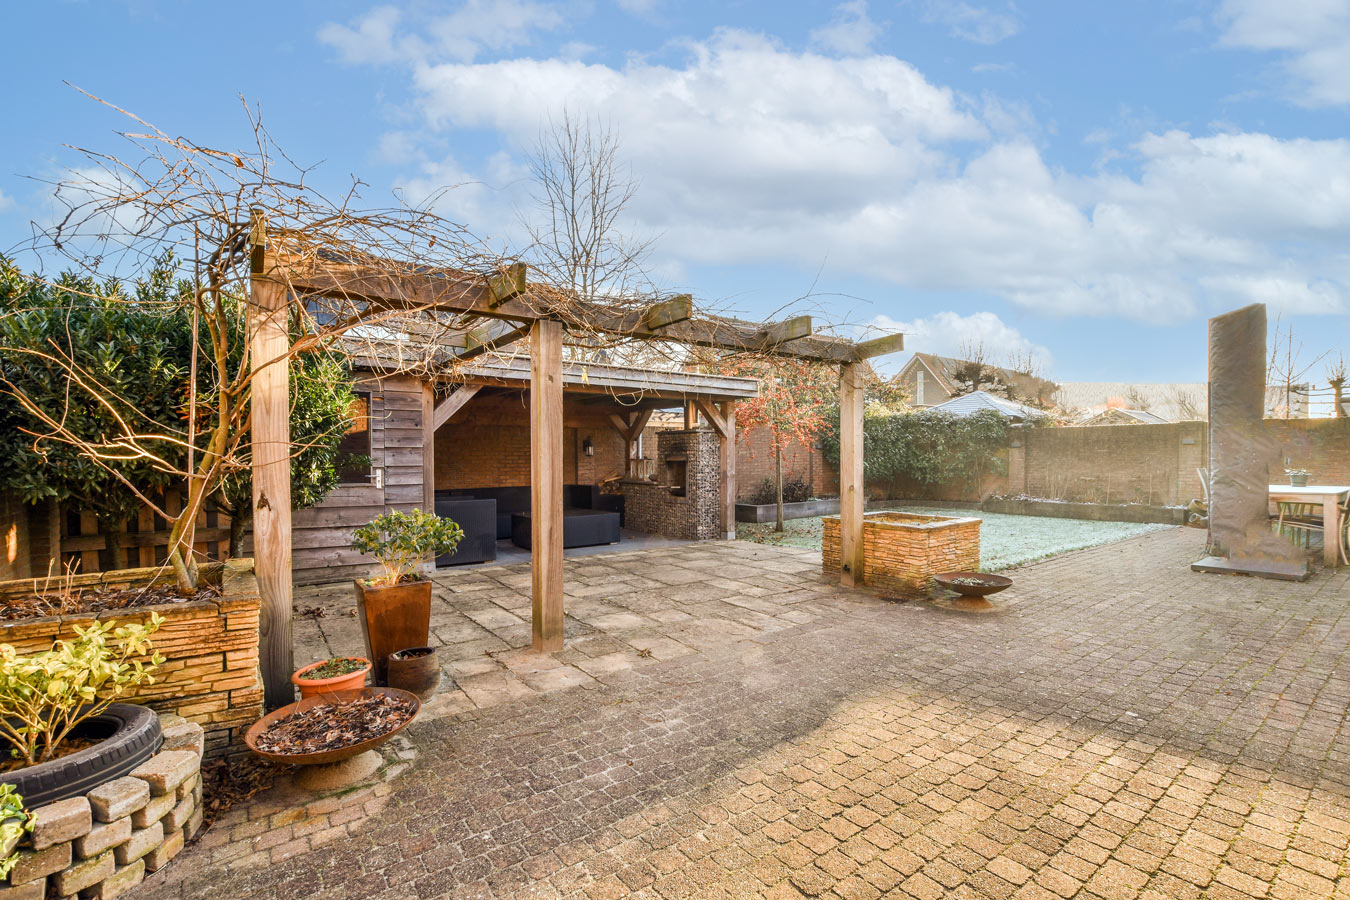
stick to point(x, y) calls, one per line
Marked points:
point(903, 551)
point(768, 512)
point(210, 674)
point(104, 843)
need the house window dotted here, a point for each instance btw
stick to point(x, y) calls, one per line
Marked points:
point(918, 388)
point(353, 456)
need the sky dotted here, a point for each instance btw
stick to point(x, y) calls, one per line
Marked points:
point(1088, 182)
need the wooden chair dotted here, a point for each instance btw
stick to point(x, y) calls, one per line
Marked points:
point(1300, 521)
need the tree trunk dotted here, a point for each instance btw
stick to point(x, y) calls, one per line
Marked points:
point(778, 478)
point(238, 525)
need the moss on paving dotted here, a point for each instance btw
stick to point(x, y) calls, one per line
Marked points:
point(1005, 540)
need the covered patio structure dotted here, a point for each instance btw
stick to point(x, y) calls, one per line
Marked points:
point(487, 313)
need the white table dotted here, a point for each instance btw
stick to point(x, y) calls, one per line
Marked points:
point(1331, 496)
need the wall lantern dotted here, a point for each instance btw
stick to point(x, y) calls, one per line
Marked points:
point(588, 446)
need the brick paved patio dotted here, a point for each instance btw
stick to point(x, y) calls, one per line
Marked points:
point(1122, 728)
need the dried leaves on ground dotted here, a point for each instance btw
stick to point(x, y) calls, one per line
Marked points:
point(229, 782)
point(332, 726)
point(96, 600)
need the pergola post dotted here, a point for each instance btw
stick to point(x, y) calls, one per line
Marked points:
point(270, 439)
point(728, 466)
point(546, 484)
point(850, 475)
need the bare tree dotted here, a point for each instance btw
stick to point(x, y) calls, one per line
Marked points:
point(1286, 370)
point(975, 373)
point(582, 193)
point(1336, 377)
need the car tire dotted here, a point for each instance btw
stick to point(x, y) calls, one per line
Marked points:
point(133, 736)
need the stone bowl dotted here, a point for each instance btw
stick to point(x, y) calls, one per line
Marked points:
point(973, 584)
point(327, 757)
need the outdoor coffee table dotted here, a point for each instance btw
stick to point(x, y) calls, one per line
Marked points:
point(1331, 496)
point(581, 528)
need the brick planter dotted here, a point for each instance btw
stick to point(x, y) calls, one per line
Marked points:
point(210, 673)
point(104, 843)
point(903, 551)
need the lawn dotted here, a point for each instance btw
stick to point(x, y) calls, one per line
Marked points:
point(1004, 540)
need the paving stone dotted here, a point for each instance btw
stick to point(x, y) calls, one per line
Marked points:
point(116, 884)
point(35, 864)
point(142, 841)
point(167, 769)
point(64, 820)
point(178, 816)
point(185, 736)
point(118, 798)
point(1120, 727)
point(103, 836)
point(159, 857)
point(156, 809)
point(83, 873)
point(31, 890)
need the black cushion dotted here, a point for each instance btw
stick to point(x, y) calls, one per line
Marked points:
point(581, 528)
point(478, 520)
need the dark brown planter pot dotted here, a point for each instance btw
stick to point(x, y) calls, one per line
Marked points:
point(393, 618)
point(416, 670)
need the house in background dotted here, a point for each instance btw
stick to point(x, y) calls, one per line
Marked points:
point(929, 380)
point(979, 401)
point(1176, 402)
point(1119, 415)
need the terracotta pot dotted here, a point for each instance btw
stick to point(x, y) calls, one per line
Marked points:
point(312, 687)
point(416, 670)
point(393, 617)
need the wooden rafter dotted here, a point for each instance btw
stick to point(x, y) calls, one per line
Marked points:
point(448, 406)
point(503, 295)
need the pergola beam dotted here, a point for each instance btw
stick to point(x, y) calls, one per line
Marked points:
point(793, 329)
point(483, 343)
point(495, 296)
point(445, 410)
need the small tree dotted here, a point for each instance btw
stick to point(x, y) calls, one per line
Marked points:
point(139, 345)
point(400, 541)
point(794, 400)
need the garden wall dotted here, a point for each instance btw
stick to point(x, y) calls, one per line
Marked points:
point(104, 843)
point(210, 673)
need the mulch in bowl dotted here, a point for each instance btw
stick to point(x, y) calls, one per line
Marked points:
point(336, 725)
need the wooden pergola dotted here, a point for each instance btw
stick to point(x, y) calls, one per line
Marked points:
point(503, 309)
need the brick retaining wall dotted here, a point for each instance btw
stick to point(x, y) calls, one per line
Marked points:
point(210, 674)
point(903, 551)
point(102, 844)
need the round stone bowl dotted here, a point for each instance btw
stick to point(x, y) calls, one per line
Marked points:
point(973, 588)
point(327, 757)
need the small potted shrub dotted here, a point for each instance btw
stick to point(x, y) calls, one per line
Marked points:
point(341, 673)
point(395, 605)
point(58, 711)
point(1297, 477)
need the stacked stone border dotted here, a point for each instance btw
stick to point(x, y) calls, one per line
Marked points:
point(101, 845)
point(210, 674)
point(903, 551)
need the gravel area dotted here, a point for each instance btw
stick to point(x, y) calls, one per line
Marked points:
point(1005, 540)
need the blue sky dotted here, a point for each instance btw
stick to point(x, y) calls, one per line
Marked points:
point(1087, 180)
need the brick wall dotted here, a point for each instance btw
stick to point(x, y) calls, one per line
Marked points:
point(754, 463)
point(651, 507)
point(1157, 464)
point(210, 673)
point(902, 552)
point(488, 444)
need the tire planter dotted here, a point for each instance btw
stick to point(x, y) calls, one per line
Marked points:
point(312, 687)
point(393, 617)
point(416, 670)
point(133, 736)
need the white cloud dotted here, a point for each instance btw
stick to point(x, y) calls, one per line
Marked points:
point(851, 32)
point(752, 153)
point(461, 35)
point(947, 333)
point(1312, 37)
point(979, 24)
